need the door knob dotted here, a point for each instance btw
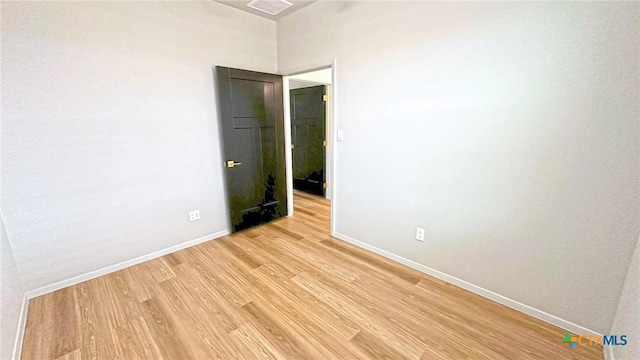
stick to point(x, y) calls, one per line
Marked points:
point(231, 163)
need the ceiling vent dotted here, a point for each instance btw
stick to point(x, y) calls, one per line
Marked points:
point(271, 7)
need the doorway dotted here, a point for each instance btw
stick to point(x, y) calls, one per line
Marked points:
point(309, 109)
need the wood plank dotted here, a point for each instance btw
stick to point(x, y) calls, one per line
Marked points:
point(374, 348)
point(167, 334)
point(253, 345)
point(285, 340)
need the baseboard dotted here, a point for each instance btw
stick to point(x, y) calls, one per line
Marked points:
point(539, 314)
point(125, 264)
point(22, 324)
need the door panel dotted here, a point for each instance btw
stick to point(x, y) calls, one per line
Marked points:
point(253, 137)
point(308, 134)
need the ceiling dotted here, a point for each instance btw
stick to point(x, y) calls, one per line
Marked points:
point(242, 5)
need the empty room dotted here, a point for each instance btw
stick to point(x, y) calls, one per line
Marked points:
point(276, 179)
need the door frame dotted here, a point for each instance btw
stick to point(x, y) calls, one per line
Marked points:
point(330, 164)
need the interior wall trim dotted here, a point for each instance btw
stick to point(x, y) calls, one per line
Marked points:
point(22, 325)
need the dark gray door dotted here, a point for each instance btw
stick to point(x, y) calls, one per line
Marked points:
point(308, 138)
point(252, 121)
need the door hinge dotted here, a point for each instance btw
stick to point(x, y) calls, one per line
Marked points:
point(324, 143)
point(325, 98)
point(324, 185)
point(293, 146)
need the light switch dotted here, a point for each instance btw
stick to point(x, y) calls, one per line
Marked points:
point(340, 135)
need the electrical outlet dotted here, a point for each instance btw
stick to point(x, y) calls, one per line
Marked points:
point(194, 215)
point(420, 234)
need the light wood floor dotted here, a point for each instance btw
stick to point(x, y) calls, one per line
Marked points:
point(285, 290)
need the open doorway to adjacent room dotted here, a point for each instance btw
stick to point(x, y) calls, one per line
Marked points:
point(309, 123)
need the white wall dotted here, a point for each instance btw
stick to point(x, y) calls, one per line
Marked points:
point(294, 84)
point(322, 76)
point(12, 291)
point(12, 297)
point(509, 131)
point(627, 319)
point(110, 130)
